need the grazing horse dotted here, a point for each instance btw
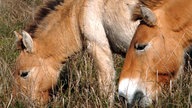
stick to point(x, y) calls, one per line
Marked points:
point(156, 53)
point(62, 29)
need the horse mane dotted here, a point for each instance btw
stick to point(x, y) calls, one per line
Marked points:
point(153, 4)
point(47, 8)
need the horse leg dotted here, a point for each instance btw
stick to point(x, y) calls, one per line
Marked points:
point(98, 46)
point(103, 59)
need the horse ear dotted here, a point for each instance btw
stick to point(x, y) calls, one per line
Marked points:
point(18, 40)
point(24, 41)
point(27, 41)
point(148, 16)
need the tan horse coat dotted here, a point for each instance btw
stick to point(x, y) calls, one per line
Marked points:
point(101, 24)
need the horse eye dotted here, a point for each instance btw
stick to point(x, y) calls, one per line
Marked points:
point(24, 74)
point(140, 46)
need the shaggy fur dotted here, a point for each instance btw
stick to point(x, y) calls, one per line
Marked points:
point(41, 14)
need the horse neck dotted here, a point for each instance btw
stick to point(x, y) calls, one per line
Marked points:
point(182, 16)
point(58, 36)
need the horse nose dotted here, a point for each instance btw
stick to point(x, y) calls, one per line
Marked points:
point(137, 96)
point(138, 100)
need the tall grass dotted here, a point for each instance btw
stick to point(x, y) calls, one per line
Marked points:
point(78, 86)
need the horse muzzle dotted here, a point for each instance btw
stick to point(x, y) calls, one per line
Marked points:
point(131, 94)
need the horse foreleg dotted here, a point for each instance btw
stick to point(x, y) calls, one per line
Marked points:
point(106, 73)
point(98, 46)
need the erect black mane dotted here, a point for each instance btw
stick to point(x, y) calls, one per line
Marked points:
point(41, 14)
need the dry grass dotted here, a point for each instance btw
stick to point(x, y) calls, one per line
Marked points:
point(78, 85)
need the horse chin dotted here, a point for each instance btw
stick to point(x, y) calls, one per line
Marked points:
point(41, 98)
point(143, 102)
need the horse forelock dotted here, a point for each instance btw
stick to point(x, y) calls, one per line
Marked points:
point(153, 4)
point(41, 14)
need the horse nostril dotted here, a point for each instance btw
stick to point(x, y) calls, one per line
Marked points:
point(123, 101)
point(138, 96)
point(24, 74)
point(141, 100)
point(121, 98)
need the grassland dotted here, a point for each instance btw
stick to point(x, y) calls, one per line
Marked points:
point(78, 85)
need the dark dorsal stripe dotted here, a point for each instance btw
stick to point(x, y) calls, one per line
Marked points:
point(41, 14)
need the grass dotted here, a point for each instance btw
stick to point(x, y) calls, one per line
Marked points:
point(78, 86)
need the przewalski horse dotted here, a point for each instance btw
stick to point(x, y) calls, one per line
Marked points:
point(156, 53)
point(60, 29)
